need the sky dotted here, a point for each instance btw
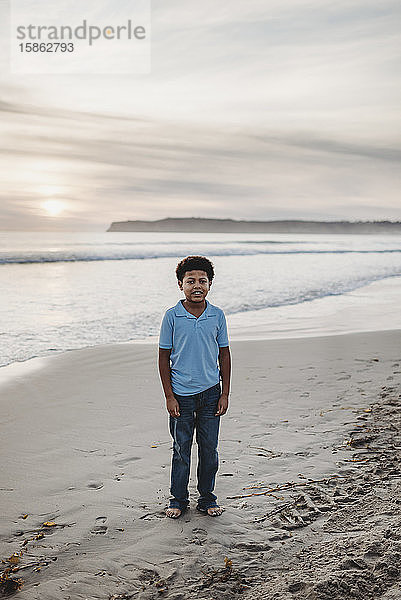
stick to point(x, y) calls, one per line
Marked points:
point(261, 110)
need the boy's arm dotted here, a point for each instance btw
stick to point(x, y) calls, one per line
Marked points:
point(165, 376)
point(225, 371)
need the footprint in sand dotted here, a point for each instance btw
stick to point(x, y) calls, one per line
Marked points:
point(198, 531)
point(200, 536)
point(99, 529)
point(122, 462)
point(253, 546)
point(149, 575)
point(102, 529)
point(95, 485)
point(152, 516)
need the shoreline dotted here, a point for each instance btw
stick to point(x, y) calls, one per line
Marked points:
point(373, 307)
point(85, 445)
point(376, 303)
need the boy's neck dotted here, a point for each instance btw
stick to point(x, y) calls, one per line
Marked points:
point(195, 308)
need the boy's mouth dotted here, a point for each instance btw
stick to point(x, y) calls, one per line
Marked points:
point(197, 293)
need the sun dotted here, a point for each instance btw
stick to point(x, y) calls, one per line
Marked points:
point(53, 207)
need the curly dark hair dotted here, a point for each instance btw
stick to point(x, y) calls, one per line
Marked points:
point(194, 263)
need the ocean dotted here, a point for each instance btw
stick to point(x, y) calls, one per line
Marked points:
point(61, 291)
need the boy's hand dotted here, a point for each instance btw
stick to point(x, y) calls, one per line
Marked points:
point(173, 407)
point(222, 405)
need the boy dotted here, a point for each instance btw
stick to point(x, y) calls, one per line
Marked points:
point(193, 355)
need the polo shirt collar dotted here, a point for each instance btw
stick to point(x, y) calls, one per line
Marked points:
point(180, 311)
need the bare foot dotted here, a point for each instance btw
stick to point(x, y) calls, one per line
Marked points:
point(173, 513)
point(214, 511)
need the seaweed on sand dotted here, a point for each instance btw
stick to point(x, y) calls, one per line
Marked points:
point(9, 585)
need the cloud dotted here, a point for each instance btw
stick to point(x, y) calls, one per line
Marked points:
point(107, 169)
point(252, 110)
point(244, 62)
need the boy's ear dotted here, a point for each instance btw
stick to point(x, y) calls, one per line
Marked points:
point(180, 284)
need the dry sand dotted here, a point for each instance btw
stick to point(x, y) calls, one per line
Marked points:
point(85, 445)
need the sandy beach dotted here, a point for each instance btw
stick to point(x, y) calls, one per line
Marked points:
point(167, 170)
point(309, 476)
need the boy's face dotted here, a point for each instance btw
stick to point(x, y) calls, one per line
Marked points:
point(195, 285)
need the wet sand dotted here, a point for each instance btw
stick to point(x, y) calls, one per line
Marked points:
point(309, 476)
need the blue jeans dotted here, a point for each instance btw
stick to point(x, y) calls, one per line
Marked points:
point(196, 412)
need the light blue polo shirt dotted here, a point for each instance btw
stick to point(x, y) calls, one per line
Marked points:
point(194, 344)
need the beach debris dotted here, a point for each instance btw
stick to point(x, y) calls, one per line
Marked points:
point(161, 585)
point(8, 585)
point(159, 443)
point(322, 412)
point(15, 558)
point(292, 519)
point(223, 575)
point(362, 442)
point(273, 512)
point(121, 596)
point(284, 486)
point(218, 575)
point(24, 516)
point(277, 497)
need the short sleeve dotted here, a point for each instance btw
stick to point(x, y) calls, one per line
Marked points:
point(222, 335)
point(166, 332)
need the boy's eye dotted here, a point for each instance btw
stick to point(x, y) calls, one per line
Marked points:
point(192, 281)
